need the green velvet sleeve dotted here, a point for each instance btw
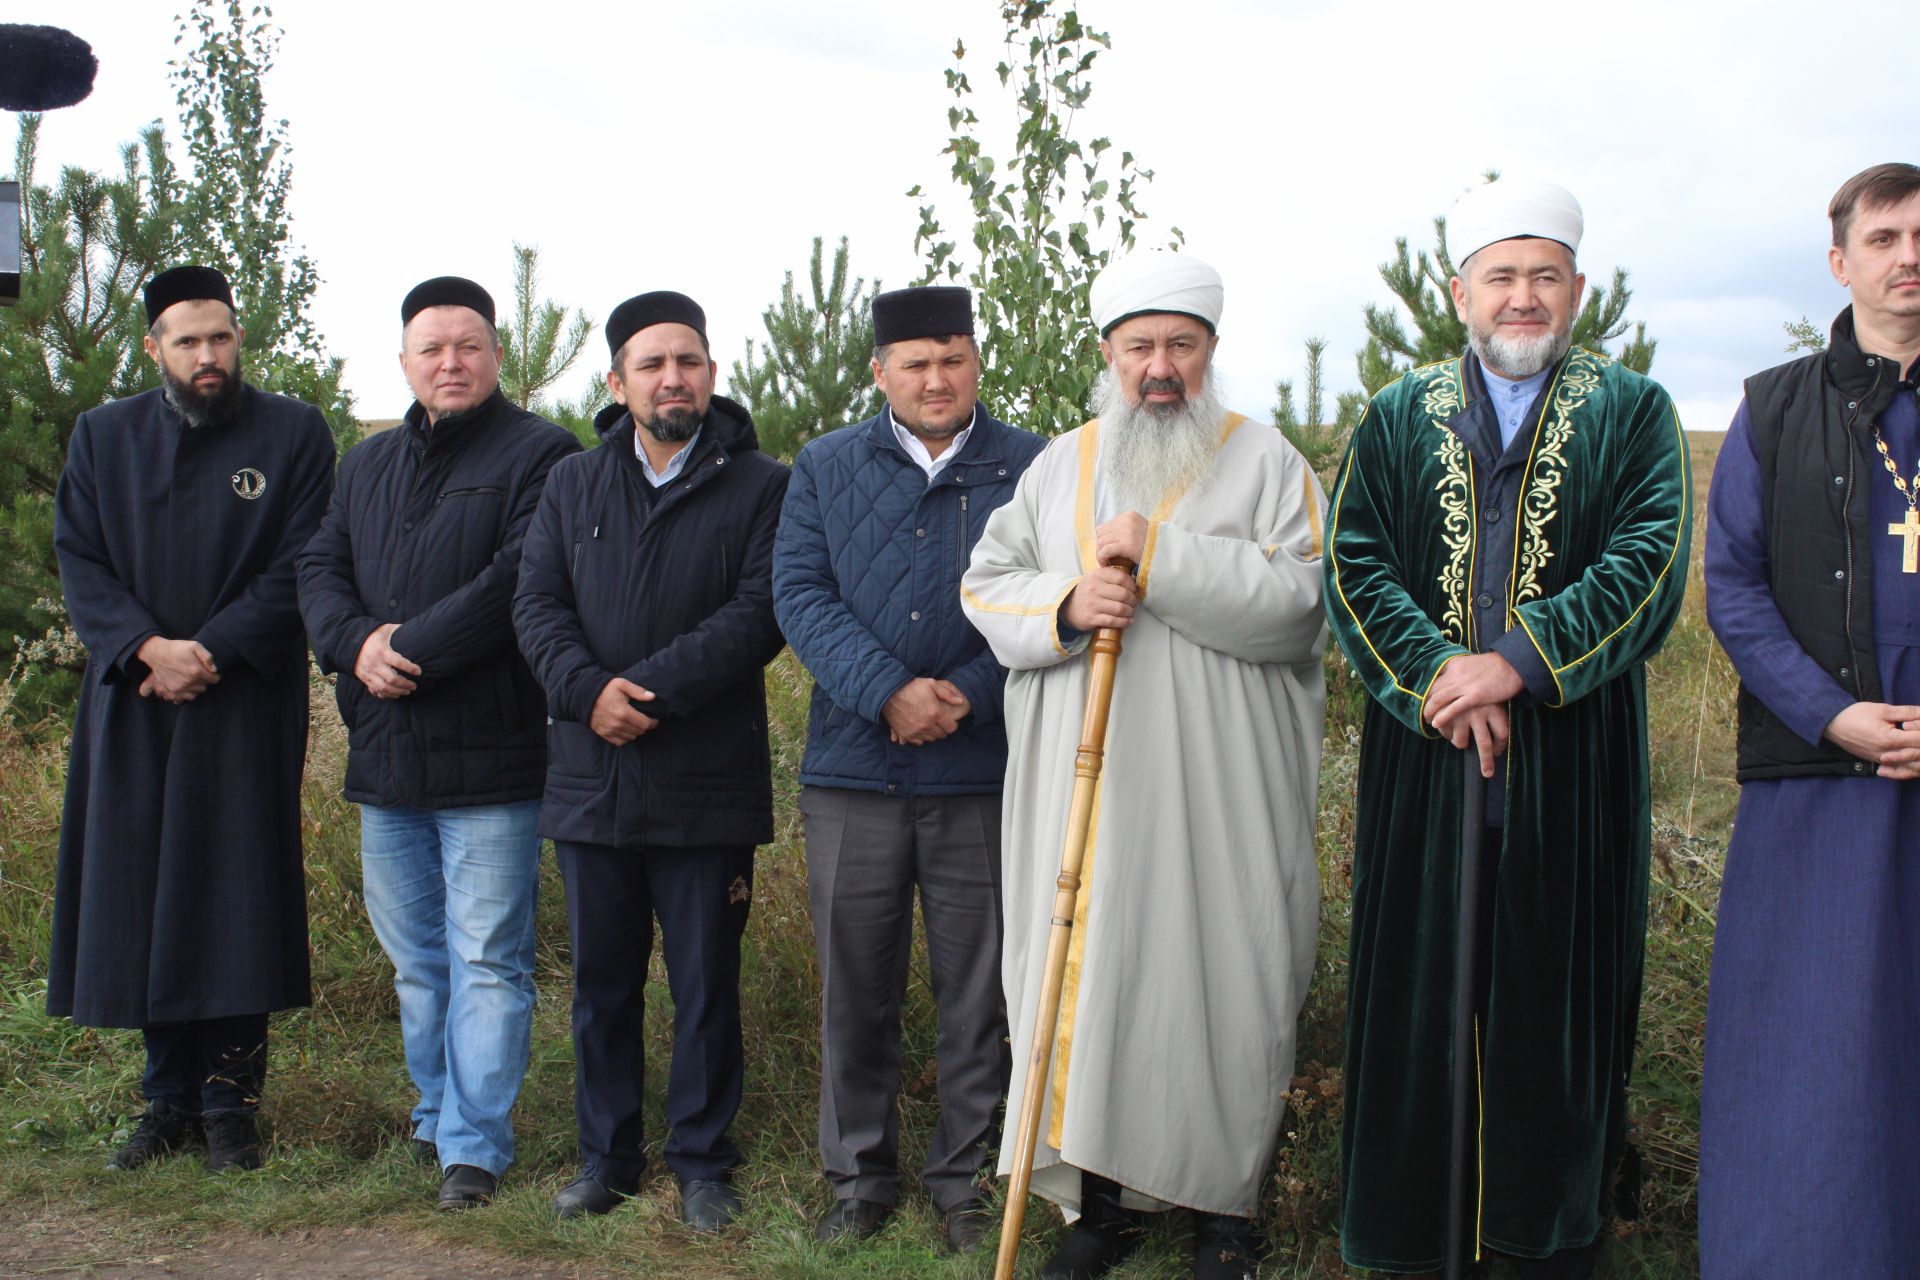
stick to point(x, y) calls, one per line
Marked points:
point(1395, 647)
point(1618, 612)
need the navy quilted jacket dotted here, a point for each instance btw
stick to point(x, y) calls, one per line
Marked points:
point(866, 585)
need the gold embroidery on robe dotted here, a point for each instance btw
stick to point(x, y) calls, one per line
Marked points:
point(1540, 497)
point(1442, 400)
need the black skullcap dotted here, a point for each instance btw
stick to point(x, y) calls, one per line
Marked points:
point(662, 306)
point(930, 311)
point(446, 291)
point(43, 67)
point(185, 284)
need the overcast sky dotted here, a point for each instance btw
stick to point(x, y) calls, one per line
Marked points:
point(700, 147)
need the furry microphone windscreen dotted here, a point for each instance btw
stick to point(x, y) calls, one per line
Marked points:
point(43, 67)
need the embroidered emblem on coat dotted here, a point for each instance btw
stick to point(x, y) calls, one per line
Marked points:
point(249, 483)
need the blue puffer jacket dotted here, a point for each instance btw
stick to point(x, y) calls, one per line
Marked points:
point(866, 584)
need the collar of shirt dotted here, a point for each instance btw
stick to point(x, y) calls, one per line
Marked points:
point(1511, 399)
point(918, 452)
point(675, 465)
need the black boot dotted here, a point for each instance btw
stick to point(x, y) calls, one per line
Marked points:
point(1105, 1236)
point(1225, 1248)
point(233, 1140)
point(161, 1132)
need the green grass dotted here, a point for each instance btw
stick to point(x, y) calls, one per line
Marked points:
point(338, 1096)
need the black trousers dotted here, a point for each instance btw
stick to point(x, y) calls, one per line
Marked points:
point(208, 1066)
point(866, 853)
point(700, 897)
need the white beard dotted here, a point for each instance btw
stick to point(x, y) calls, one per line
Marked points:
point(1145, 453)
point(1518, 358)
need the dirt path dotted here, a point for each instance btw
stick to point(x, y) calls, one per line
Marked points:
point(57, 1246)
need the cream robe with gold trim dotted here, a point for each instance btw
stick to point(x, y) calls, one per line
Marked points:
point(1194, 938)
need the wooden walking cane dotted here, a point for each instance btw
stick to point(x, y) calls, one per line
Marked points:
point(1087, 760)
point(1463, 1148)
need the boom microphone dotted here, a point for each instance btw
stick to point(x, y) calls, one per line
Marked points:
point(43, 67)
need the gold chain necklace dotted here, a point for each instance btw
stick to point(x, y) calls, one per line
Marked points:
point(1908, 529)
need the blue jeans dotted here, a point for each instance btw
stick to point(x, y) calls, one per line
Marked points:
point(451, 893)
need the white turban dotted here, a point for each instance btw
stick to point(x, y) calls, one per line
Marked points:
point(1509, 209)
point(1149, 280)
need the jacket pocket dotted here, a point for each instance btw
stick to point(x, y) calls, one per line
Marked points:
point(574, 756)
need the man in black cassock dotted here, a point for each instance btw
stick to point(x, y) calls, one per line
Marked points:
point(180, 904)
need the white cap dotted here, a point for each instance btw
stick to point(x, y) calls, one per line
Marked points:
point(1150, 280)
point(1510, 208)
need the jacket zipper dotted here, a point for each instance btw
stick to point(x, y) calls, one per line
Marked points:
point(963, 534)
point(468, 493)
point(1846, 518)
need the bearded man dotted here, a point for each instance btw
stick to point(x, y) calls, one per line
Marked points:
point(1809, 1141)
point(1194, 932)
point(180, 904)
point(1508, 546)
point(646, 608)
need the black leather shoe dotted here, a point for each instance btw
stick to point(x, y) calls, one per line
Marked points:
point(1104, 1236)
point(160, 1133)
point(708, 1205)
point(852, 1219)
point(466, 1186)
point(233, 1141)
point(422, 1152)
point(587, 1196)
point(966, 1226)
point(1225, 1248)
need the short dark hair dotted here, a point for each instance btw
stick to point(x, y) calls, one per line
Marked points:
point(1875, 188)
point(944, 339)
point(620, 356)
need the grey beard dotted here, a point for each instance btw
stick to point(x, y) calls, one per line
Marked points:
point(1518, 357)
point(1145, 453)
point(673, 426)
point(199, 410)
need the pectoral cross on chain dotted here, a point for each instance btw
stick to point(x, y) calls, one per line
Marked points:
point(1909, 529)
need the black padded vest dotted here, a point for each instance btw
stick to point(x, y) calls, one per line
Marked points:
point(1812, 435)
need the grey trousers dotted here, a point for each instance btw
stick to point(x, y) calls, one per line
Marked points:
point(865, 854)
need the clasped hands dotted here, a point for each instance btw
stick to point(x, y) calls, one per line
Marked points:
point(385, 671)
point(178, 671)
point(924, 710)
point(1108, 596)
point(615, 717)
point(1467, 703)
point(1887, 736)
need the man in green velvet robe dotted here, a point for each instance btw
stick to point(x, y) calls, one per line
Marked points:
point(1508, 546)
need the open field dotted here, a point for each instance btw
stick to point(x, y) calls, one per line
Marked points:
point(339, 1197)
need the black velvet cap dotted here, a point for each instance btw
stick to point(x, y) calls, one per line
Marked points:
point(446, 291)
point(930, 311)
point(185, 284)
point(43, 67)
point(662, 306)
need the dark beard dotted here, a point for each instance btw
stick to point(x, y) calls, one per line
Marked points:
point(673, 426)
point(201, 408)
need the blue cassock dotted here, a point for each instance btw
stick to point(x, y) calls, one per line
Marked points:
point(1810, 1108)
point(180, 893)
